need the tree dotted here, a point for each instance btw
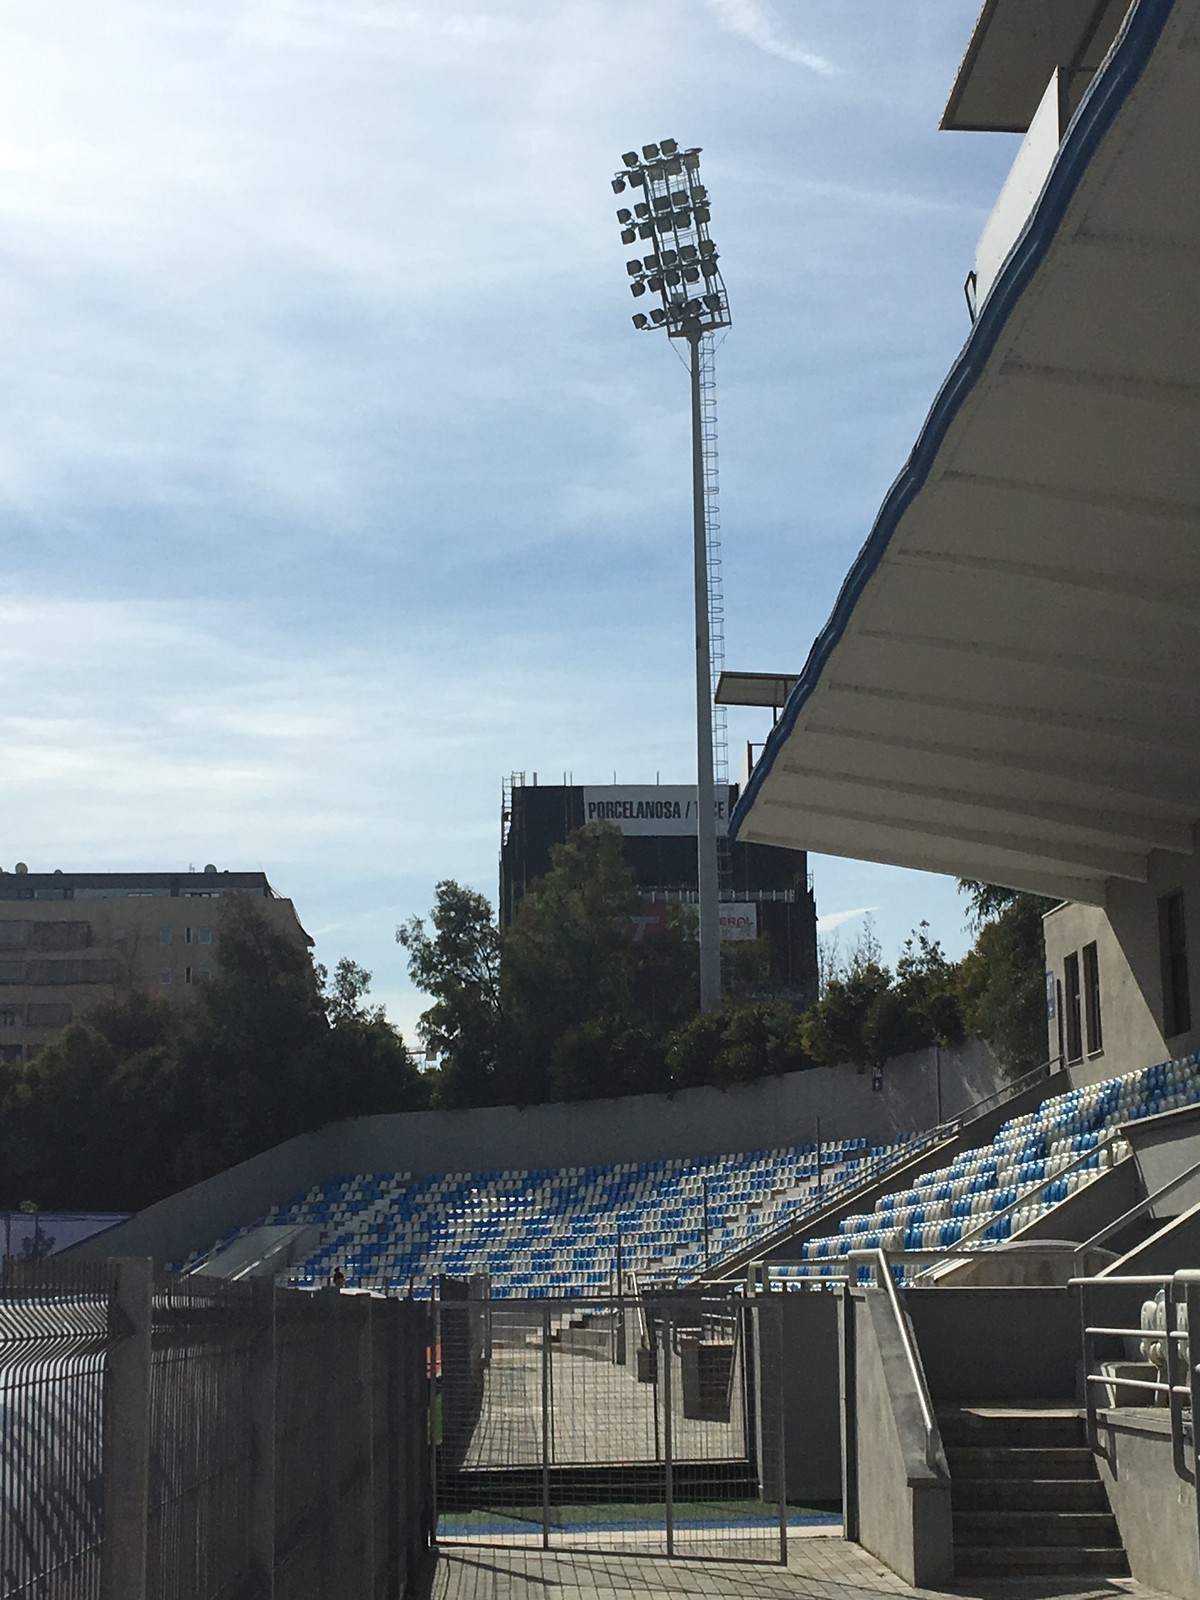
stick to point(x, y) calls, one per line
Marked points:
point(1002, 978)
point(458, 964)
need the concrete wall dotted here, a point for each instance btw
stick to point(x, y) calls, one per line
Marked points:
point(1127, 946)
point(776, 1111)
point(1164, 1147)
point(811, 1393)
point(997, 1346)
point(902, 1513)
point(1155, 1508)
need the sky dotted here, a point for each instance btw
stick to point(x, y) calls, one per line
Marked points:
point(335, 483)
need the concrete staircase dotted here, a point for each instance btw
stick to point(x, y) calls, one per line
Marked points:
point(1026, 1494)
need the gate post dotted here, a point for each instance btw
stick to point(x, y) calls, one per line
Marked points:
point(546, 1427)
point(126, 1436)
point(262, 1421)
point(668, 1434)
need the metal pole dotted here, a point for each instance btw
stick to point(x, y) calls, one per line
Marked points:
point(818, 1158)
point(706, 828)
point(669, 1490)
point(937, 1067)
point(435, 1334)
point(546, 1427)
point(707, 1253)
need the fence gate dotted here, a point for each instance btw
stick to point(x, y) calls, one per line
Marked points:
point(651, 1424)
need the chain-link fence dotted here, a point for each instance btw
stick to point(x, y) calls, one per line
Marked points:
point(185, 1438)
point(651, 1424)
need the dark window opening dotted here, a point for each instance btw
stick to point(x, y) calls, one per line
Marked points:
point(1074, 1016)
point(1091, 999)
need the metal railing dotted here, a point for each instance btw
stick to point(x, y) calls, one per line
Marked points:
point(170, 1435)
point(1181, 1384)
point(1136, 1211)
point(878, 1259)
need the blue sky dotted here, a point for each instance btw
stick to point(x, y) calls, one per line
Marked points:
point(335, 481)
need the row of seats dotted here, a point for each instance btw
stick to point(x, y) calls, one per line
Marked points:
point(1039, 1159)
point(569, 1230)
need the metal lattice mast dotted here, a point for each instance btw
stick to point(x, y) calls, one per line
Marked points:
point(716, 591)
point(681, 270)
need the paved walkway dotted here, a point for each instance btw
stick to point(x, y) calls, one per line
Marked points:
point(818, 1569)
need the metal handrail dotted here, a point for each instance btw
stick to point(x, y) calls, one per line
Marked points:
point(879, 1260)
point(1034, 1189)
point(1136, 1211)
point(1177, 1349)
point(1008, 1091)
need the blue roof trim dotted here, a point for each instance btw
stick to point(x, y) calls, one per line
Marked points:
point(1095, 116)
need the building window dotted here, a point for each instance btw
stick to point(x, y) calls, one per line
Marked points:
point(10, 1052)
point(1172, 944)
point(203, 974)
point(49, 1014)
point(187, 974)
point(8, 1018)
point(1091, 999)
point(164, 975)
point(164, 936)
point(203, 935)
point(1074, 1017)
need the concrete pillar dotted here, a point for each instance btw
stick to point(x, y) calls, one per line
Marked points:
point(126, 1437)
point(262, 1423)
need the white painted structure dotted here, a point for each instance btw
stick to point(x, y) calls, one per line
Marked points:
point(1009, 686)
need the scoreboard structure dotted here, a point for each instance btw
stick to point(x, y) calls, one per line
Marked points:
point(765, 891)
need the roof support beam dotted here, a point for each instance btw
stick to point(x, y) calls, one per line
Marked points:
point(1155, 391)
point(1133, 733)
point(1050, 660)
point(1176, 789)
point(772, 824)
point(1139, 507)
point(1180, 599)
point(1060, 855)
point(1122, 828)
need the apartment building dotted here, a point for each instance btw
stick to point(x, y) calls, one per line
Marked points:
point(69, 940)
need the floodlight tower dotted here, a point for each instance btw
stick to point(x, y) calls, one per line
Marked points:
point(671, 215)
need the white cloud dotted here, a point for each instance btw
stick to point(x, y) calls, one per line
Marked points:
point(752, 22)
point(829, 920)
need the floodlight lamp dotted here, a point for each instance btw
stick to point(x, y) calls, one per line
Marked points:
point(687, 252)
point(691, 160)
point(670, 257)
point(669, 147)
point(691, 274)
point(680, 197)
point(672, 277)
point(656, 285)
point(658, 316)
point(645, 230)
point(662, 202)
point(628, 235)
point(681, 221)
point(699, 193)
point(629, 159)
point(650, 152)
point(637, 288)
point(709, 267)
point(703, 215)
point(640, 320)
point(713, 302)
point(624, 215)
point(633, 268)
point(618, 185)
point(672, 169)
point(641, 209)
point(636, 180)
point(707, 247)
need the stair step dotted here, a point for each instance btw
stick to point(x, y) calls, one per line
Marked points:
point(966, 1425)
point(1036, 1529)
point(969, 1462)
point(1033, 1494)
point(1026, 1559)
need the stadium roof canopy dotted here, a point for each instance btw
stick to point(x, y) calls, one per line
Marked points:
point(1009, 685)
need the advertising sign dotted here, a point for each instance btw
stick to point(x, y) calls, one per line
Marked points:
point(739, 920)
point(650, 808)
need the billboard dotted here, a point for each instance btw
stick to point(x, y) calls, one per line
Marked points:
point(739, 920)
point(648, 809)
